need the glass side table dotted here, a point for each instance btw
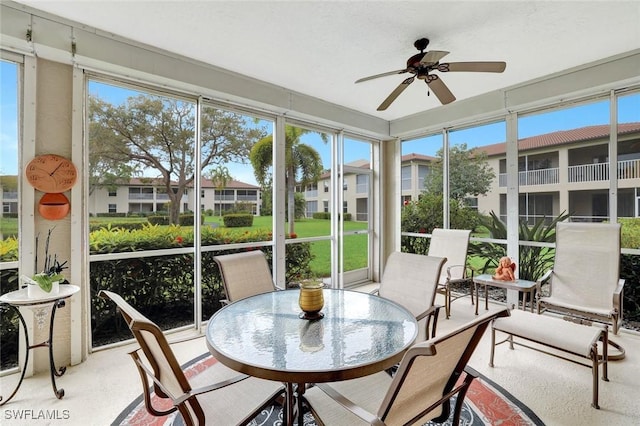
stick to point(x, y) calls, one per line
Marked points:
point(41, 306)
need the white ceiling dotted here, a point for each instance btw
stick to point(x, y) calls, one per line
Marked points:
point(320, 48)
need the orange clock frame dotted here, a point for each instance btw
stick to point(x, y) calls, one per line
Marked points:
point(51, 173)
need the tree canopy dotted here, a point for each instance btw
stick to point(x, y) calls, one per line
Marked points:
point(469, 173)
point(156, 135)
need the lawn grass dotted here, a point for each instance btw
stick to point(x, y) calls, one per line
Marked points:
point(8, 227)
point(355, 246)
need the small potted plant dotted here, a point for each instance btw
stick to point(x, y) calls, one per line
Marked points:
point(47, 282)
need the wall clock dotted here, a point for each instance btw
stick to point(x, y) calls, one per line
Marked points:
point(51, 173)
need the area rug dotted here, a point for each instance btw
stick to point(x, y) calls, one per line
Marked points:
point(486, 403)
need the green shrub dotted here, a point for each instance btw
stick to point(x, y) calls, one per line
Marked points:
point(158, 220)
point(238, 220)
point(630, 272)
point(630, 234)
point(533, 261)
point(424, 215)
point(113, 225)
point(9, 249)
point(161, 287)
point(327, 216)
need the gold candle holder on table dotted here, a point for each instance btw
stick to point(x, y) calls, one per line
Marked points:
point(311, 300)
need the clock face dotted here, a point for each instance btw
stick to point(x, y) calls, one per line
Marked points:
point(51, 173)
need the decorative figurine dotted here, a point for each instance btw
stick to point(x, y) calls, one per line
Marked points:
point(505, 270)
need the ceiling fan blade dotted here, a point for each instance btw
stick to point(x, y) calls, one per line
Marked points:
point(384, 74)
point(440, 89)
point(433, 57)
point(392, 97)
point(473, 66)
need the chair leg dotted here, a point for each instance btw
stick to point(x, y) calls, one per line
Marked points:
point(460, 399)
point(594, 367)
point(493, 346)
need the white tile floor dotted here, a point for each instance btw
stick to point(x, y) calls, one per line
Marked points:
point(559, 392)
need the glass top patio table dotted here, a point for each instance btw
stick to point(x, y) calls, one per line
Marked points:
point(264, 337)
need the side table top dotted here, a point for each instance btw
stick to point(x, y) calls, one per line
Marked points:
point(487, 279)
point(20, 298)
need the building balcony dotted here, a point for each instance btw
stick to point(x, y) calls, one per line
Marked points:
point(9, 196)
point(628, 169)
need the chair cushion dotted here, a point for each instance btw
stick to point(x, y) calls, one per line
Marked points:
point(555, 332)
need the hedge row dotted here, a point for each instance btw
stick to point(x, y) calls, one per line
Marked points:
point(327, 215)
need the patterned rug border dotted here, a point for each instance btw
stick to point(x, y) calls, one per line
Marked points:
point(526, 412)
point(513, 400)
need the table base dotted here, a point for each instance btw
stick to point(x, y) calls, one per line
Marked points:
point(53, 371)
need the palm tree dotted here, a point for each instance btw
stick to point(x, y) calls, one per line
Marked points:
point(220, 177)
point(303, 164)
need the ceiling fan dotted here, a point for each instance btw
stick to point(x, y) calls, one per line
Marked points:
point(422, 64)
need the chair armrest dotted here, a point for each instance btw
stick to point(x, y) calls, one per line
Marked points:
point(539, 283)
point(209, 388)
point(433, 311)
point(450, 267)
point(349, 405)
point(177, 400)
point(617, 296)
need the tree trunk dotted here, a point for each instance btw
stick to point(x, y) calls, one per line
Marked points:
point(174, 207)
point(291, 208)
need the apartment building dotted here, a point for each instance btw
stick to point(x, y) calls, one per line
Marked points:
point(568, 171)
point(564, 171)
point(147, 195)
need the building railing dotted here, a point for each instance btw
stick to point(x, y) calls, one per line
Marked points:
point(627, 169)
point(224, 197)
point(141, 196)
point(534, 177)
point(9, 195)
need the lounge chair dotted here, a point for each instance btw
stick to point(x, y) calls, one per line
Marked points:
point(585, 280)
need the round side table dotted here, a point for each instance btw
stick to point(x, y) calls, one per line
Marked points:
point(16, 299)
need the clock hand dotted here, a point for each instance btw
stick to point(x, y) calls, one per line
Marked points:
point(54, 170)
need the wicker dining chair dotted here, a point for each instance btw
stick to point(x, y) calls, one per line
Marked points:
point(244, 274)
point(221, 389)
point(410, 280)
point(429, 375)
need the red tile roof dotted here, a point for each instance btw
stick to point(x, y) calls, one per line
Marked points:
point(420, 157)
point(561, 137)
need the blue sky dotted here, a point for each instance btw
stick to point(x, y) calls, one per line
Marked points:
point(579, 116)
